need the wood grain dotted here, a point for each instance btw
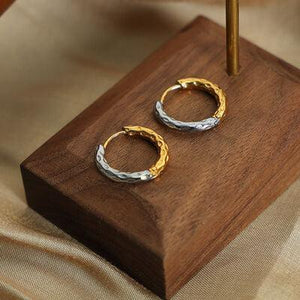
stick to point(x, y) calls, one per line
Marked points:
point(216, 182)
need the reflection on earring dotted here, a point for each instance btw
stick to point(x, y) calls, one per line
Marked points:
point(132, 177)
point(193, 83)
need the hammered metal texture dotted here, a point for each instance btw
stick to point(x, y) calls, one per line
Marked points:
point(133, 177)
point(211, 88)
point(158, 141)
point(117, 175)
point(193, 83)
point(202, 125)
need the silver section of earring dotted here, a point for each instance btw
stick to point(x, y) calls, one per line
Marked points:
point(117, 175)
point(202, 125)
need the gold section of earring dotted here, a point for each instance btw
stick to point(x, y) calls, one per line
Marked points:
point(113, 137)
point(204, 85)
point(132, 177)
point(158, 141)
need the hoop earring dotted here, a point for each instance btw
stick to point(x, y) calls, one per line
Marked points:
point(133, 177)
point(199, 84)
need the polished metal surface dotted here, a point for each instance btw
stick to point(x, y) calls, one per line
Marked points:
point(232, 36)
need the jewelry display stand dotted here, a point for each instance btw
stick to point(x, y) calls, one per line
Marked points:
point(162, 232)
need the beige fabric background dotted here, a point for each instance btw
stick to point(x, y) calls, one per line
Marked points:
point(56, 58)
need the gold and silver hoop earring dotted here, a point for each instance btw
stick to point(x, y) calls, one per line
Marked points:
point(134, 177)
point(193, 83)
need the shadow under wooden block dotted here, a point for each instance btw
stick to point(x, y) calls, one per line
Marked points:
point(216, 183)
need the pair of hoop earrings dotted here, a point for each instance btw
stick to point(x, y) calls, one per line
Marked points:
point(156, 139)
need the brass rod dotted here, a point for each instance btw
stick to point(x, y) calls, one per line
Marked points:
point(232, 36)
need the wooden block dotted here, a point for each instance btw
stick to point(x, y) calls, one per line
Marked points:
point(4, 5)
point(216, 183)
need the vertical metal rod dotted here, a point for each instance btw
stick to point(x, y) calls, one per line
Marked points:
point(232, 36)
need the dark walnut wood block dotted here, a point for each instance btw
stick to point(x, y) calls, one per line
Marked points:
point(217, 182)
point(4, 5)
